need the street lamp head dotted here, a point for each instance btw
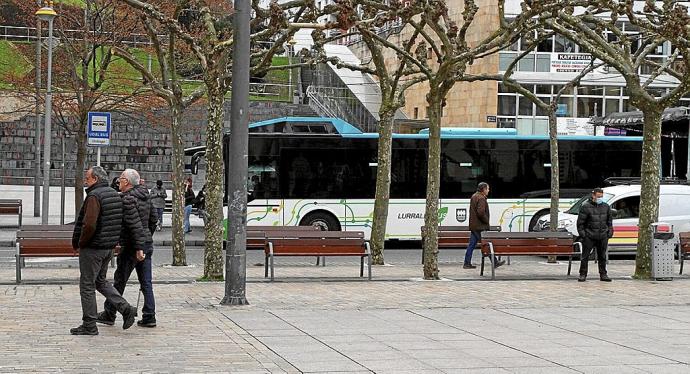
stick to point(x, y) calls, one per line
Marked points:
point(46, 13)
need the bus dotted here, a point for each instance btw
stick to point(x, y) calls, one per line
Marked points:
point(322, 172)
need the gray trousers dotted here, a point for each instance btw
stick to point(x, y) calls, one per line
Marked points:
point(93, 265)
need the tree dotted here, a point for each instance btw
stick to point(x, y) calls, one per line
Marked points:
point(452, 51)
point(598, 29)
point(167, 86)
point(365, 18)
point(212, 47)
point(550, 108)
point(86, 79)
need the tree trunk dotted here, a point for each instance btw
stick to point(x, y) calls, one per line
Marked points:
point(555, 170)
point(178, 243)
point(430, 239)
point(383, 184)
point(78, 168)
point(649, 191)
point(213, 259)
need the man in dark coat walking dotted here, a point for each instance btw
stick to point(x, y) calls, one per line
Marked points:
point(595, 227)
point(96, 233)
point(138, 225)
point(479, 221)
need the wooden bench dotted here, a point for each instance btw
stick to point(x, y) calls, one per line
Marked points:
point(44, 241)
point(454, 237)
point(683, 248)
point(316, 243)
point(527, 244)
point(12, 207)
point(256, 235)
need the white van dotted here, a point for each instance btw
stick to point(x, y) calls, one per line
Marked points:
point(674, 208)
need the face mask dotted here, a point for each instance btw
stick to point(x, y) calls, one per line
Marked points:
point(599, 200)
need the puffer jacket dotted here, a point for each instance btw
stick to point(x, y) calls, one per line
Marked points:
point(109, 218)
point(139, 219)
point(595, 221)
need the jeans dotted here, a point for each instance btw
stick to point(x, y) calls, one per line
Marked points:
point(127, 262)
point(187, 213)
point(160, 216)
point(475, 237)
point(93, 266)
point(587, 245)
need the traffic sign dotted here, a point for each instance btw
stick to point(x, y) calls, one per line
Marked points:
point(98, 129)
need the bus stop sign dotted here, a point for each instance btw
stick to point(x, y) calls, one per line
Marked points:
point(98, 129)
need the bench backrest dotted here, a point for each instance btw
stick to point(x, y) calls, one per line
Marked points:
point(527, 242)
point(47, 228)
point(46, 248)
point(256, 235)
point(464, 228)
point(316, 242)
point(10, 206)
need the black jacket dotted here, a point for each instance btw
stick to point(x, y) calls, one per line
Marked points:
point(189, 198)
point(139, 219)
point(595, 221)
point(109, 221)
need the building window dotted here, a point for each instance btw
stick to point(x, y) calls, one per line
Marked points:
point(416, 113)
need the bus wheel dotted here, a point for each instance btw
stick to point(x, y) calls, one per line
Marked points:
point(324, 221)
point(536, 217)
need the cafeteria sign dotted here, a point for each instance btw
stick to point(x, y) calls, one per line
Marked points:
point(570, 62)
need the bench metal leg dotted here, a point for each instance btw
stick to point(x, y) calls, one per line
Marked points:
point(23, 262)
point(368, 247)
point(368, 259)
point(266, 266)
point(270, 253)
point(18, 260)
point(361, 266)
point(481, 271)
point(493, 261)
point(577, 245)
point(323, 261)
point(682, 258)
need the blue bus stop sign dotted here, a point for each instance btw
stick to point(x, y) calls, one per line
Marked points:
point(98, 129)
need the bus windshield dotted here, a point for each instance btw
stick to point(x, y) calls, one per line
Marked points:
point(575, 209)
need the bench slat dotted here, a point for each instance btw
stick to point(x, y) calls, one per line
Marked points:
point(527, 242)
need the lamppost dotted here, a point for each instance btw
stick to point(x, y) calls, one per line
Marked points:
point(37, 141)
point(47, 13)
point(290, 54)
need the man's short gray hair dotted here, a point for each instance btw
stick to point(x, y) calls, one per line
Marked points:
point(132, 176)
point(99, 173)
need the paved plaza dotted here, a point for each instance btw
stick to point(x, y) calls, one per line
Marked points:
point(316, 319)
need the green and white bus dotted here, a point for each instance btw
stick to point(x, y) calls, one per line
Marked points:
point(322, 171)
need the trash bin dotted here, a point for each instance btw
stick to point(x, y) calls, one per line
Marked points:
point(663, 251)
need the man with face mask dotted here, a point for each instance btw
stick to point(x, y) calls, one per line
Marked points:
point(595, 227)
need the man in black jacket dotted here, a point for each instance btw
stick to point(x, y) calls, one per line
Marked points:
point(138, 225)
point(96, 233)
point(595, 227)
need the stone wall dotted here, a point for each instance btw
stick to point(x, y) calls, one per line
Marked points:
point(135, 143)
point(467, 104)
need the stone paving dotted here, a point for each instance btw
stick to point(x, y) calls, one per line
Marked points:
point(326, 319)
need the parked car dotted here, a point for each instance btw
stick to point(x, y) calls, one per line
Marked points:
point(674, 209)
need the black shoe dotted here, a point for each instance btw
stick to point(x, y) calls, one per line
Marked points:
point(499, 264)
point(105, 318)
point(604, 278)
point(469, 266)
point(582, 278)
point(128, 317)
point(147, 321)
point(83, 330)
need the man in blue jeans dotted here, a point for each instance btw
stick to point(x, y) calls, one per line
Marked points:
point(139, 220)
point(479, 221)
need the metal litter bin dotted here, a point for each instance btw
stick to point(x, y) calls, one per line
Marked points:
point(663, 251)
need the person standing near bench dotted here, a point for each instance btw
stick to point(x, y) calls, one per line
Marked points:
point(96, 233)
point(479, 221)
point(595, 227)
point(138, 225)
point(158, 196)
